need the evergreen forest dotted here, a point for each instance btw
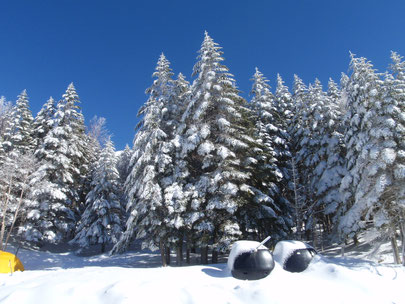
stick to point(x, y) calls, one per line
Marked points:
point(318, 163)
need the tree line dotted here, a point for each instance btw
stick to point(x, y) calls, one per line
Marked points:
point(208, 167)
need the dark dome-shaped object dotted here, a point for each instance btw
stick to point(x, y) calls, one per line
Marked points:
point(299, 260)
point(253, 265)
point(250, 260)
point(293, 256)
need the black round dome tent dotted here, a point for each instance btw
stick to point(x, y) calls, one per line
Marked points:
point(250, 260)
point(293, 256)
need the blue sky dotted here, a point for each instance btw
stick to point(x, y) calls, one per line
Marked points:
point(109, 49)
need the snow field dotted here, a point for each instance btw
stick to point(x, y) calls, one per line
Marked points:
point(72, 279)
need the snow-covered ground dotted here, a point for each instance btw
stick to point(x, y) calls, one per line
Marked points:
point(136, 277)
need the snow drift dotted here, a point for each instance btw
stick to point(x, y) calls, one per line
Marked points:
point(66, 278)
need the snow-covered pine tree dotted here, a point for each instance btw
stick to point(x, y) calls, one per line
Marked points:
point(52, 214)
point(17, 142)
point(175, 196)
point(263, 107)
point(398, 110)
point(380, 193)
point(329, 169)
point(22, 138)
point(363, 94)
point(295, 130)
point(5, 121)
point(96, 137)
point(273, 214)
point(6, 112)
point(43, 122)
point(78, 149)
point(5, 109)
point(286, 107)
point(124, 168)
point(217, 148)
point(18, 135)
point(101, 222)
point(310, 154)
point(284, 102)
point(151, 162)
point(123, 164)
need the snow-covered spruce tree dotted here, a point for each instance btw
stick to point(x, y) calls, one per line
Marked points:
point(151, 162)
point(53, 212)
point(380, 193)
point(272, 115)
point(263, 107)
point(96, 137)
point(124, 169)
point(17, 142)
point(79, 150)
point(5, 109)
point(285, 106)
point(397, 93)
point(284, 102)
point(5, 121)
point(274, 213)
point(19, 132)
point(217, 148)
point(5, 180)
point(101, 222)
point(328, 158)
point(43, 122)
point(363, 93)
point(123, 164)
point(295, 130)
point(309, 152)
point(175, 194)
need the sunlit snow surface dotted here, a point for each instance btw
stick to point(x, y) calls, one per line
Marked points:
point(66, 278)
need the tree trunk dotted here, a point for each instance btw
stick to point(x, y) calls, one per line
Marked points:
point(297, 202)
point(15, 215)
point(168, 255)
point(102, 247)
point(204, 255)
point(214, 256)
point(163, 253)
point(188, 256)
point(314, 237)
point(5, 207)
point(402, 229)
point(355, 240)
point(179, 253)
point(395, 250)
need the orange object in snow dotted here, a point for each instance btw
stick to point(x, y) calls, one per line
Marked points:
point(9, 263)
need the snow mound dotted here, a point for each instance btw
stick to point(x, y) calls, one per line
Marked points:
point(284, 249)
point(241, 247)
point(136, 277)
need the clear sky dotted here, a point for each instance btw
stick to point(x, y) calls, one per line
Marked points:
point(109, 49)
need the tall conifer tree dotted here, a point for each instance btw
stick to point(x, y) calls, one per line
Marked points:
point(101, 222)
point(363, 95)
point(52, 214)
point(151, 161)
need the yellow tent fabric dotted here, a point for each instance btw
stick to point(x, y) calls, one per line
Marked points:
point(9, 263)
